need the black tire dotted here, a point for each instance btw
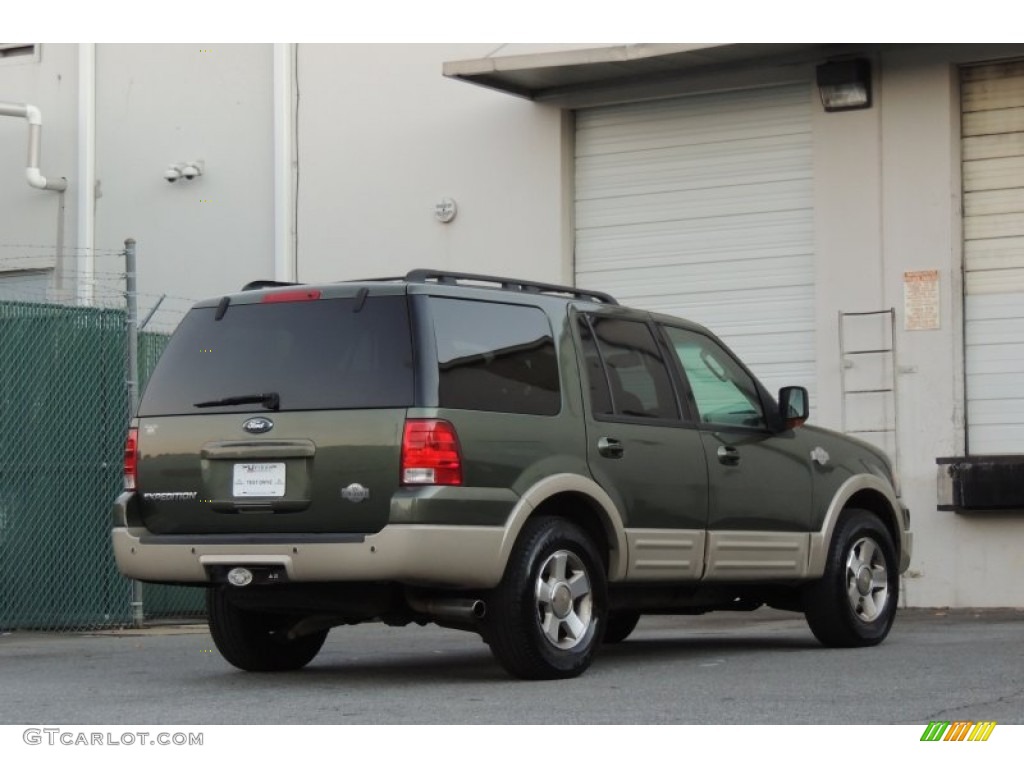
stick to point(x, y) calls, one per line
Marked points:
point(546, 617)
point(620, 625)
point(854, 603)
point(254, 641)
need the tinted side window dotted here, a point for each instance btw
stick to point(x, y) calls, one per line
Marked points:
point(495, 357)
point(600, 398)
point(313, 354)
point(634, 374)
point(724, 392)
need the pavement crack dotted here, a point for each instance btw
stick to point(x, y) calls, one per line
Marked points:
point(942, 714)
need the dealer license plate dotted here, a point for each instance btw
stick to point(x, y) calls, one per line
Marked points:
point(259, 479)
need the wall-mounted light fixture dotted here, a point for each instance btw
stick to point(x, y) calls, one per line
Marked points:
point(845, 85)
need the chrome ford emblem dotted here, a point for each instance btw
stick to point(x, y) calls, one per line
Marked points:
point(355, 493)
point(258, 425)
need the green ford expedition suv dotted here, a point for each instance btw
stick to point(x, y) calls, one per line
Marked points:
point(531, 462)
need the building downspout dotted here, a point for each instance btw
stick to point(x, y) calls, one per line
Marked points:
point(284, 201)
point(33, 175)
point(86, 172)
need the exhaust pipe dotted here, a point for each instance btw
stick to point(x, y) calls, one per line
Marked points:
point(452, 609)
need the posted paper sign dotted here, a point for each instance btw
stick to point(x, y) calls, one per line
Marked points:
point(921, 300)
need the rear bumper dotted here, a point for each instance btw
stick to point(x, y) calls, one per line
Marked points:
point(435, 555)
point(414, 549)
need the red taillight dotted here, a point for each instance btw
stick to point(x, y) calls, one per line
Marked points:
point(279, 296)
point(131, 458)
point(430, 453)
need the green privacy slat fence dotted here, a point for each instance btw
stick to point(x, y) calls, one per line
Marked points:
point(161, 601)
point(63, 415)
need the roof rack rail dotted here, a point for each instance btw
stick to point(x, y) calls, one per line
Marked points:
point(507, 284)
point(259, 285)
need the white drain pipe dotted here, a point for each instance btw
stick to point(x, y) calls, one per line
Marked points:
point(284, 164)
point(35, 135)
point(86, 261)
point(36, 179)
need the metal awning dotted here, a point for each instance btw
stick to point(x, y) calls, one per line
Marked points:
point(567, 77)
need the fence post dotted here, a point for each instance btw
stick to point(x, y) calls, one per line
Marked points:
point(138, 615)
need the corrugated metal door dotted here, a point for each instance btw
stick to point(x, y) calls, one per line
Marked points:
point(701, 207)
point(992, 98)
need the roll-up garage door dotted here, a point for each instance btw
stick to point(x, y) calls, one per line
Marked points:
point(992, 99)
point(27, 285)
point(701, 207)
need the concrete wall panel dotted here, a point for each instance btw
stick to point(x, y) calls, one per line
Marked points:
point(160, 104)
point(383, 136)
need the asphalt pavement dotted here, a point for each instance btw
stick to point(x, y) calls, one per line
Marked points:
point(748, 668)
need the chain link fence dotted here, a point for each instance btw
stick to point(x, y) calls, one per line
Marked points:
point(64, 411)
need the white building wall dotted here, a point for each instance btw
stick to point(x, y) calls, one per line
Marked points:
point(28, 222)
point(160, 104)
point(847, 227)
point(919, 196)
point(961, 560)
point(887, 202)
point(382, 137)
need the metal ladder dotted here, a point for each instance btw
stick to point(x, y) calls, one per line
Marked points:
point(885, 427)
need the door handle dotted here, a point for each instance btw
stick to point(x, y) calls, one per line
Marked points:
point(728, 455)
point(610, 448)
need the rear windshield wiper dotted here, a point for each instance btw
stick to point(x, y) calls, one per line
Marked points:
point(269, 400)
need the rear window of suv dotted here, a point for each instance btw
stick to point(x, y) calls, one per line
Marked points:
point(314, 355)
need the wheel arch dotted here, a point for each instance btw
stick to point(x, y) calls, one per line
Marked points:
point(584, 502)
point(866, 492)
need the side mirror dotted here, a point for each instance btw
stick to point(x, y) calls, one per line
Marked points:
point(794, 406)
